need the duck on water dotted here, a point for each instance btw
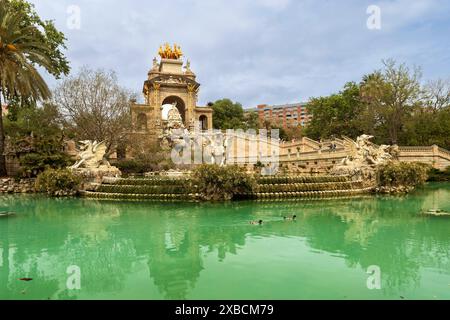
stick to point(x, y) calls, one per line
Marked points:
point(5, 214)
point(436, 212)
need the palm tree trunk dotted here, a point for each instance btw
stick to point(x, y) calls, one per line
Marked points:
point(3, 172)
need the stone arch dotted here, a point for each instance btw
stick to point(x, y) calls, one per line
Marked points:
point(181, 106)
point(203, 120)
point(141, 122)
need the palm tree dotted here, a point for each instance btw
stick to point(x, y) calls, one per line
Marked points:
point(20, 52)
point(372, 89)
point(372, 86)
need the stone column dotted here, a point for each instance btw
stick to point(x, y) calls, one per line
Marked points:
point(190, 107)
point(156, 108)
point(210, 122)
point(435, 161)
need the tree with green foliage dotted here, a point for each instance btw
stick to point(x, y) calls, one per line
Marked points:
point(26, 43)
point(336, 115)
point(389, 104)
point(45, 33)
point(44, 144)
point(425, 127)
point(251, 120)
point(269, 125)
point(392, 94)
point(228, 115)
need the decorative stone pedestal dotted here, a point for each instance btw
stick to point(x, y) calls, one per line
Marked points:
point(95, 175)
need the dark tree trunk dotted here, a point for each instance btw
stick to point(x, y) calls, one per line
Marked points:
point(3, 172)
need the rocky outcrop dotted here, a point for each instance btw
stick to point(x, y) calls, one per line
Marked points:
point(96, 175)
point(11, 185)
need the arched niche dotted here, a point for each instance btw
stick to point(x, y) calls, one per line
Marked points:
point(203, 120)
point(181, 106)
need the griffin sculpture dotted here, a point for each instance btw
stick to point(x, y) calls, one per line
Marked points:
point(91, 155)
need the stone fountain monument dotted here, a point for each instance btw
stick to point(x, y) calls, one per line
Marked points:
point(176, 138)
point(91, 163)
point(363, 158)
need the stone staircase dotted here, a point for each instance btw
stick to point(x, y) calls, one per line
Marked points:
point(308, 187)
point(155, 188)
point(276, 187)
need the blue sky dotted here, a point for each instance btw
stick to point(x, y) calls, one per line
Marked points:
point(257, 51)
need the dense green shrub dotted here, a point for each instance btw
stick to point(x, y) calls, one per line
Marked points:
point(402, 174)
point(132, 166)
point(58, 182)
point(439, 175)
point(34, 163)
point(213, 182)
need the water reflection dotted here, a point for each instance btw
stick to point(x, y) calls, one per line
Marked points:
point(169, 245)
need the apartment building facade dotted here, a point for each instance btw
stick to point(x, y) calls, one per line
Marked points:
point(286, 115)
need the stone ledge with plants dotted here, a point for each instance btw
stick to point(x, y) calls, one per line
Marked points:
point(216, 183)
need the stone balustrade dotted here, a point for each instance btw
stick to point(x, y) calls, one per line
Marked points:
point(306, 156)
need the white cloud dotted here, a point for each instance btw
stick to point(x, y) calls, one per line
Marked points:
point(266, 51)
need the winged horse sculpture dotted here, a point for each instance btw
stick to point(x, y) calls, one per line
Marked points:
point(91, 155)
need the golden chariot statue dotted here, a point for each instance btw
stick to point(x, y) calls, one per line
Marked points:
point(167, 52)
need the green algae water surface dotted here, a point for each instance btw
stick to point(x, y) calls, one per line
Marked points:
point(145, 250)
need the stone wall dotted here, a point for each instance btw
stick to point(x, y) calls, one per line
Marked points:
point(11, 185)
point(12, 165)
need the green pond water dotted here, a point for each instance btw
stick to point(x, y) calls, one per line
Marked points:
point(145, 250)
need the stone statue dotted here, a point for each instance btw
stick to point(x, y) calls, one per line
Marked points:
point(92, 165)
point(177, 53)
point(363, 151)
point(174, 132)
point(91, 155)
point(155, 64)
point(363, 157)
point(174, 119)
